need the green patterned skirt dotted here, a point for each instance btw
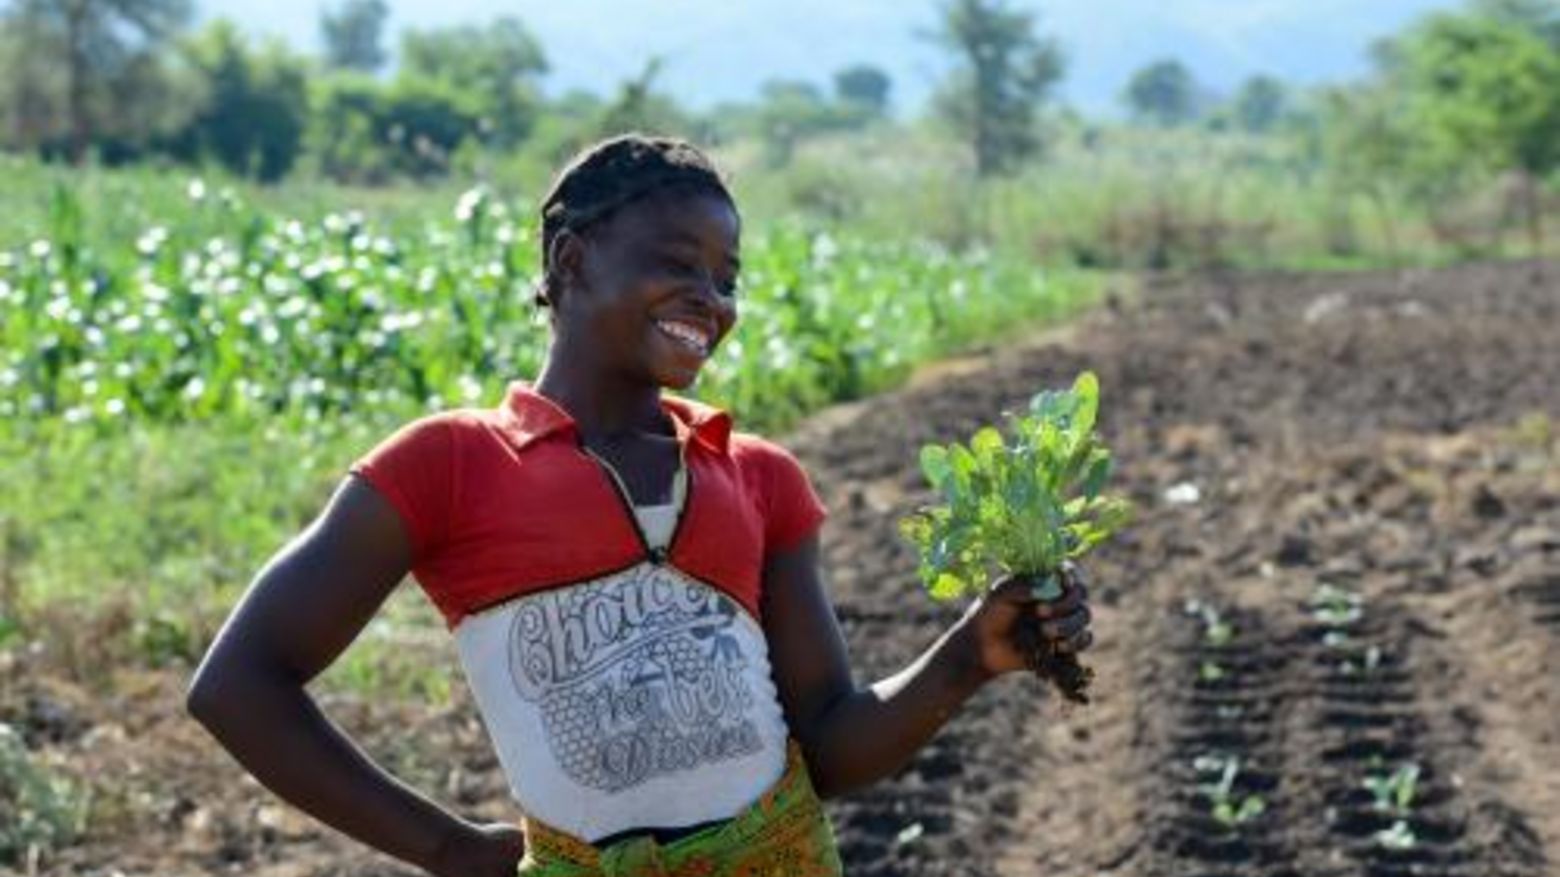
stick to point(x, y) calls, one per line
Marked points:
point(785, 833)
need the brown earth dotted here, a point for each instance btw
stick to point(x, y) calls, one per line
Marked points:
point(1392, 434)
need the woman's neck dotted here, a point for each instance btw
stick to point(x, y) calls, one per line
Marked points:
point(600, 405)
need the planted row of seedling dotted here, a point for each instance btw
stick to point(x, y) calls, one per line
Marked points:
point(1380, 787)
point(1228, 739)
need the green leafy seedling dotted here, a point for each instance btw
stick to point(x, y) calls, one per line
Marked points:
point(1210, 671)
point(1225, 806)
point(1398, 838)
point(1394, 792)
point(1217, 631)
point(1021, 504)
point(1335, 606)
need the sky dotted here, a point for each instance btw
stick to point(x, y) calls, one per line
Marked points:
point(718, 50)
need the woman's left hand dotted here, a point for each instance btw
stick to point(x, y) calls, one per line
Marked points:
point(993, 628)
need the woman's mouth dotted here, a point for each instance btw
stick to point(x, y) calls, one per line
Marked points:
point(690, 337)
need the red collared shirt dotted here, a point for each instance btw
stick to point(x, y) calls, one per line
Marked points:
point(501, 503)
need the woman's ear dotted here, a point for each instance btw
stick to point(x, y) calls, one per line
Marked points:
point(566, 271)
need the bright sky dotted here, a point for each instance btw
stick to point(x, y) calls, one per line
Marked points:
point(724, 50)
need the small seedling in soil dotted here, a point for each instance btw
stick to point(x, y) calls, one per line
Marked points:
point(1217, 632)
point(1210, 671)
point(1225, 806)
point(1394, 792)
point(1370, 664)
point(1020, 504)
point(1397, 838)
point(1336, 607)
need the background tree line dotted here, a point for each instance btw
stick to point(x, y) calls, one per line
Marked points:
point(1466, 92)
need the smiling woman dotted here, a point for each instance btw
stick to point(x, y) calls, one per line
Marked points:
point(633, 587)
point(640, 257)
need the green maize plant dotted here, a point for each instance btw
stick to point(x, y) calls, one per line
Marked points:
point(1021, 505)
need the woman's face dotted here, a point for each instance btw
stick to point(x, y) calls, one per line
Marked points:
point(655, 287)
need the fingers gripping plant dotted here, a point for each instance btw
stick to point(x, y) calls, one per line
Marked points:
point(1021, 504)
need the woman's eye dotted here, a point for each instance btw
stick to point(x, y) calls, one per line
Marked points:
point(678, 265)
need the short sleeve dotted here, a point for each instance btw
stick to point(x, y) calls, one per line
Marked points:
point(794, 510)
point(413, 470)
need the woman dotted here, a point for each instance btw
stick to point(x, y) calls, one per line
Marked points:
point(634, 588)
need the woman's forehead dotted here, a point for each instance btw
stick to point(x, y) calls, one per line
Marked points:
point(694, 218)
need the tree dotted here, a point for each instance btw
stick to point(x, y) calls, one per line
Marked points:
point(354, 35)
point(1259, 105)
point(1004, 72)
point(95, 45)
point(863, 87)
point(497, 65)
point(1484, 92)
point(1542, 17)
point(1164, 92)
point(257, 103)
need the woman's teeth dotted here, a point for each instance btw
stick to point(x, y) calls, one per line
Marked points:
point(692, 338)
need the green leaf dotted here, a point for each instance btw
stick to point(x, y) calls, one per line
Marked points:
point(947, 587)
point(934, 465)
point(1098, 474)
point(1086, 393)
point(987, 445)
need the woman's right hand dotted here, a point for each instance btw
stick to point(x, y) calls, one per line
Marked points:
point(486, 850)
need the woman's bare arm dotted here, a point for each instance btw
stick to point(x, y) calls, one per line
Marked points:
point(305, 607)
point(853, 737)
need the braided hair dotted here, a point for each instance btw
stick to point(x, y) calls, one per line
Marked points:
point(615, 172)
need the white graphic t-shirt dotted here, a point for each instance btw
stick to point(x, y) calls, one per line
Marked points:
point(640, 699)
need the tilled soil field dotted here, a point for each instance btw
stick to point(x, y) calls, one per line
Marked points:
point(1346, 562)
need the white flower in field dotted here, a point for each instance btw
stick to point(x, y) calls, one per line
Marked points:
point(89, 388)
point(384, 246)
point(86, 369)
point(196, 190)
point(195, 388)
point(77, 414)
point(824, 249)
point(229, 286)
point(57, 308)
point(5, 292)
point(9, 378)
point(360, 242)
point(470, 388)
point(470, 202)
point(149, 243)
point(7, 260)
point(154, 292)
point(94, 336)
point(40, 249)
point(334, 223)
point(269, 334)
point(123, 370)
point(505, 234)
point(293, 308)
point(294, 232)
point(129, 324)
point(114, 407)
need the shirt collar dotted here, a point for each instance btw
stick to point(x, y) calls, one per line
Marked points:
point(533, 416)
